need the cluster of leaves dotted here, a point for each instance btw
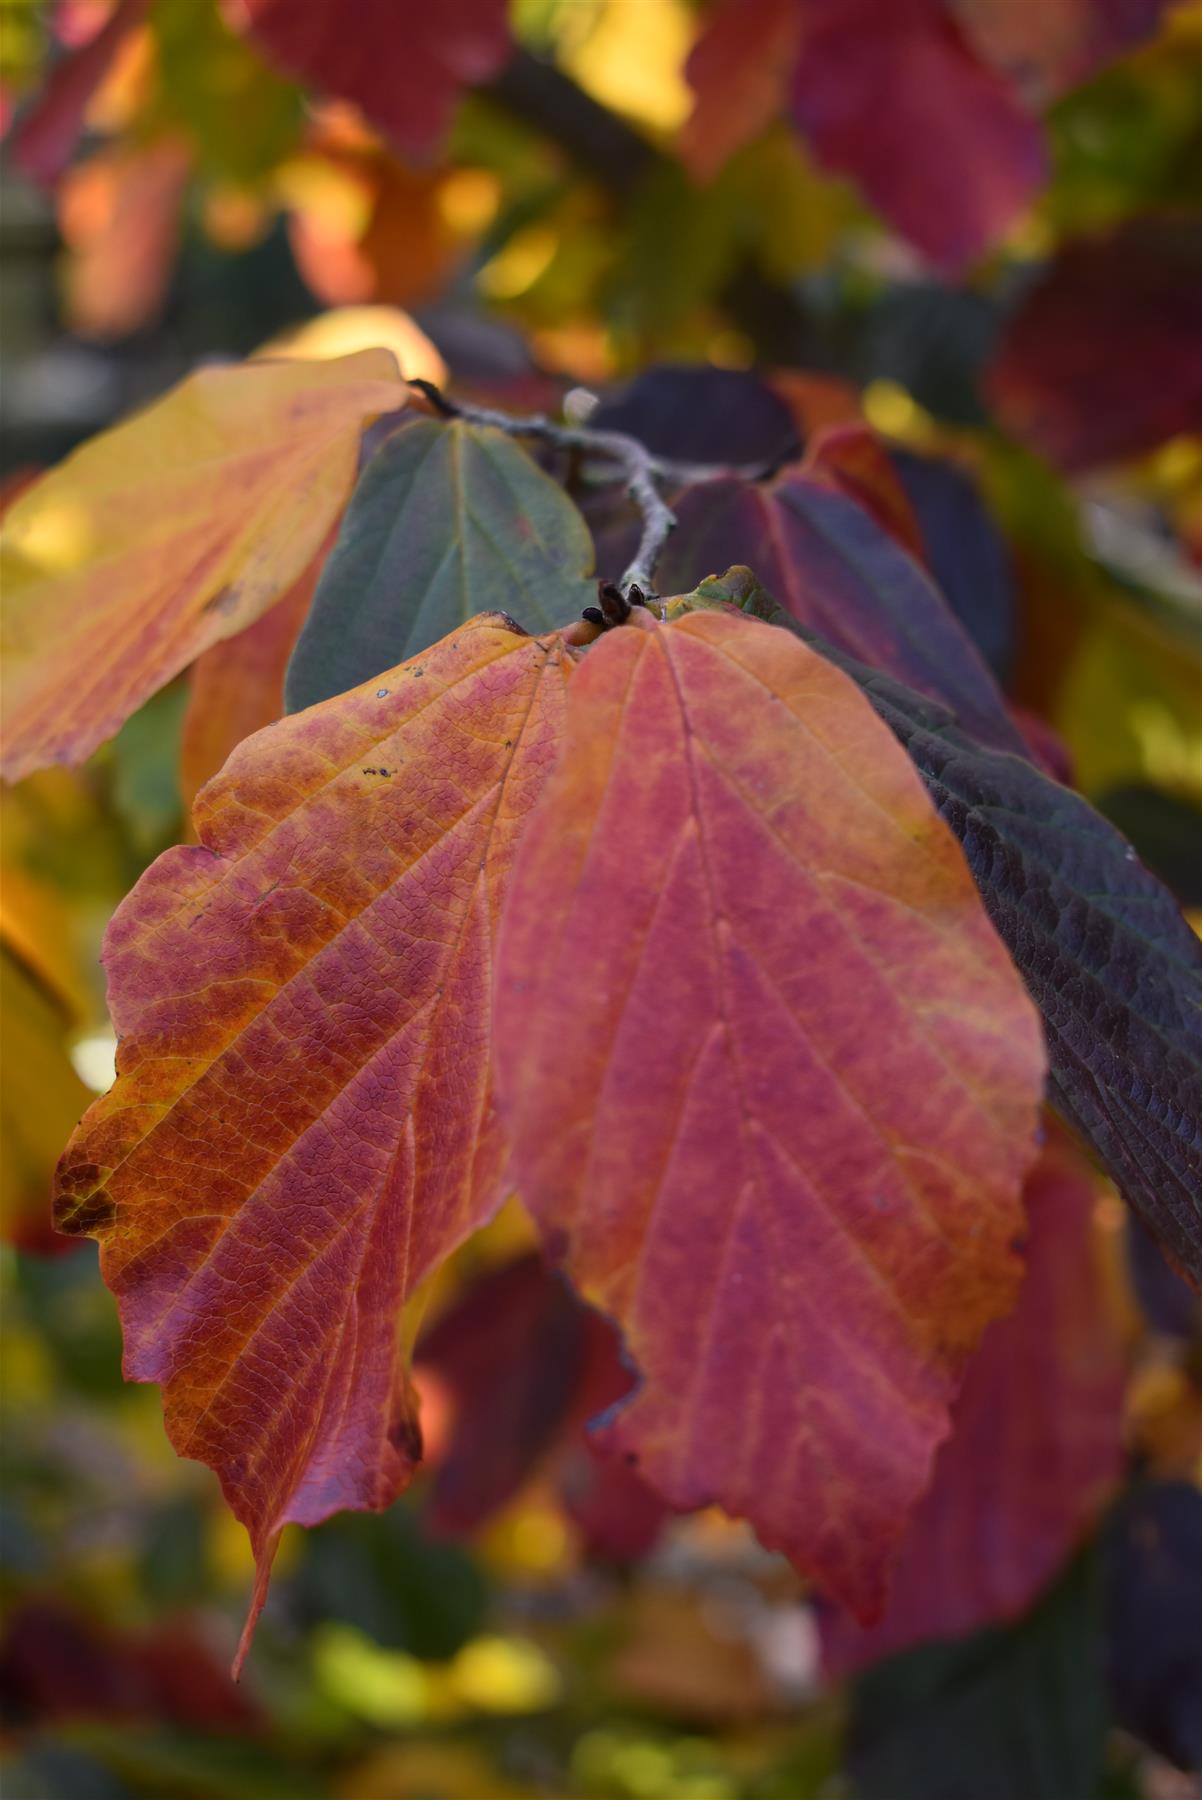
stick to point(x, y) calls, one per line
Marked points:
point(748, 930)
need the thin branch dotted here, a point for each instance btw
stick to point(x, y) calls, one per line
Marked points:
point(641, 471)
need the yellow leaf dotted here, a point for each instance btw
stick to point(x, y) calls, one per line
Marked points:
point(177, 528)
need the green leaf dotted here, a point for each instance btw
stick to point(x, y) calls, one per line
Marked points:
point(1009, 1712)
point(448, 521)
point(1107, 957)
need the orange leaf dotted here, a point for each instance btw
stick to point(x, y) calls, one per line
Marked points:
point(237, 686)
point(301, 1125)
point(175, 529)
point(771, 1078)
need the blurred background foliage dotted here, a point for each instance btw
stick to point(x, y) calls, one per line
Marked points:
point(1042, 405)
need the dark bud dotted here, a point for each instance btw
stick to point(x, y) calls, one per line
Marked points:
point(614, 604)
point(594, 615)
point(635, 595)
point(438, 400)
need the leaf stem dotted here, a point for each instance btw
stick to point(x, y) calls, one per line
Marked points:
point(635, 464)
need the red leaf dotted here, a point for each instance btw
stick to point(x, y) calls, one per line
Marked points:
point(1036, 1445)
point(852, 460)
point(890, 93)
point(301, 1125)
point(826, 560)
point(1103, 360)
point(57, 1664)
point(1045, 46)
point(527, 1368)
point(510, 1353)
point(771, 1081)
point(47, 131)
point(404, 63)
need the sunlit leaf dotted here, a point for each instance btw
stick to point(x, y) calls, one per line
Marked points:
point(168, 532)
point(1104, 950)
point(302, 1124)
point(771, 1082)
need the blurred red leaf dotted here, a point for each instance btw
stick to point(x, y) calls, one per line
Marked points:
point(1103, 360)
point(1045, 46)
point(47, 131)
point(1036, 1443)
point(402, 62)
point(57, 1664)
point(510, 1353)
point(891, 94)
point(527, 1368)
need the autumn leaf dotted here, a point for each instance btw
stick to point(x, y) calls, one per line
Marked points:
point(449, 520)
point(892, 94)
point(403, 63)
point(508, 1355)
point(47, 132)
point(771, 1082)
point(301, 1125)
point(237, 686)
point(1036, 1448)
point(826, 559)
point(1102, 945)
point(167, 533)
point(1102, 360)
point(120, 213)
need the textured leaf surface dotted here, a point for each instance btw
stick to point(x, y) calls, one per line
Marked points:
point(301, 1123)
point(832, 567)
point(770, 1078)
point(448, 521)
point(1106, 955)
point(402, 62)
point(175, 529)
point(1036, 1445)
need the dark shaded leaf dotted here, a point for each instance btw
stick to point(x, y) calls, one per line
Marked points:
point(1007, 1714)
point(965, 552)
point(447, 521)
point(1103, 360)
point(1104, 951)
point(404, 1590)
point(696, 413)
point(511, 1352)
point(834, 570)
point(1154, 1602)
point(1168, 1303)
point(1166, 830)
